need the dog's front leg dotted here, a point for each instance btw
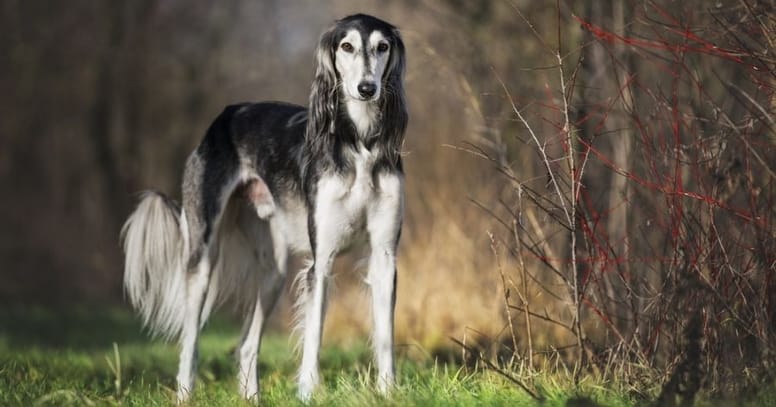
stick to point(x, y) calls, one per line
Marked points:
point(382, 282)
point(384, 219)
point(325, 228)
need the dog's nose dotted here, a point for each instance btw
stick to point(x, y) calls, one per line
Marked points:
point(367, 89)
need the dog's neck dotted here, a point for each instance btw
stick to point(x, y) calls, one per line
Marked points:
point(365, 116)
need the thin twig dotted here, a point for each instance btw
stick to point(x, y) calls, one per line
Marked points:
point(500, 371)
point(506, 291)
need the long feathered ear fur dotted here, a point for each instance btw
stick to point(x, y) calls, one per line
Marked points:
point(394, 107)
point(324, 97)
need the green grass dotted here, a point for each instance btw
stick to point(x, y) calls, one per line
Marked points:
point(101, 357)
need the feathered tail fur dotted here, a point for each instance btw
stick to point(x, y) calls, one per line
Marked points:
point(155, 247)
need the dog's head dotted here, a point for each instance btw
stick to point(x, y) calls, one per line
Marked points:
point(360, 60)
point(361, 56)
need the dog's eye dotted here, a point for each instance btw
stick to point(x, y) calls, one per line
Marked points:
point(347, 47)
point(382, 47)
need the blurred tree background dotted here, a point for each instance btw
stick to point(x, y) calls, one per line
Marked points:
point(107, 99)
point(617, 213)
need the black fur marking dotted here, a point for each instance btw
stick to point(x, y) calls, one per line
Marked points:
point(221, 163)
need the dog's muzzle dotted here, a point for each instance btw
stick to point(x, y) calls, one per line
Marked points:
point(367, 89)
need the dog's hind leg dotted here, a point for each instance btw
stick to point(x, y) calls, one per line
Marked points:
point(197, 283)
point(313, 309)
point(206, 191)
point(265, 235)
point(202, 260)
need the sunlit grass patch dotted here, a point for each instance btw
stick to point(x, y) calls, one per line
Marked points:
point(105, 360)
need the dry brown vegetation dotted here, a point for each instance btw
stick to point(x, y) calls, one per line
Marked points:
point(590, 184)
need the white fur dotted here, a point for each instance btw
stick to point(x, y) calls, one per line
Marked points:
point(251, 265)
point(175, 303)
point(363, 115)
point(350, 209)
point(291, 220)
point(384, 216)
point(154, 275)
point(195, 290)
point(361, 65)
point(268, 291)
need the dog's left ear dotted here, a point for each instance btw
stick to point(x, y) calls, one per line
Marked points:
point(396, 64)
point(394, 105)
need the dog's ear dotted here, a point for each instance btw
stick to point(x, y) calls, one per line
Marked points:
point(323, 95)
point(324, 55)
point(397, 62)
point(394, 105)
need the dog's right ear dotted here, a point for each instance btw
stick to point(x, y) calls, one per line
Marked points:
point(324, 98)
point(324, 55)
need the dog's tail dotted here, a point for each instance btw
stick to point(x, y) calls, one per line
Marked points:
point(155, 248)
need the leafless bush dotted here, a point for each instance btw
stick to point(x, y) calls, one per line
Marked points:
point(648, 219)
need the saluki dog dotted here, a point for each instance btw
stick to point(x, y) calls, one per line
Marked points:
point(272, 180)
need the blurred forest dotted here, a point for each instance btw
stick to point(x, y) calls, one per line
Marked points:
point(594, 178)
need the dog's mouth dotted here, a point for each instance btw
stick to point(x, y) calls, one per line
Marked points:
point(360, 98)
point(356, 96)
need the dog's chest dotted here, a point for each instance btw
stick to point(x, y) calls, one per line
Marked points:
point(344, 199)
point(358, 185)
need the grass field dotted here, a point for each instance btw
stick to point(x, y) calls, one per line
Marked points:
point(101, 357)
